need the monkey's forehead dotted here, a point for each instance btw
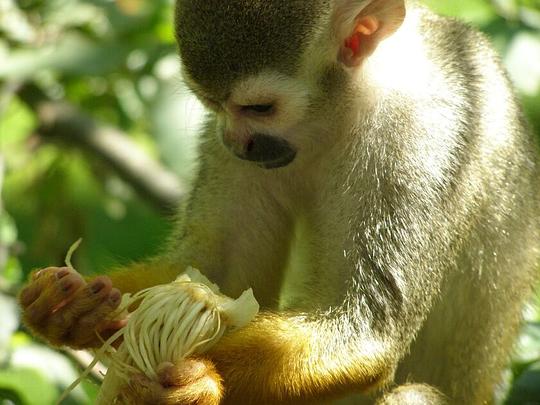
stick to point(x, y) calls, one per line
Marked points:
point(223, 40)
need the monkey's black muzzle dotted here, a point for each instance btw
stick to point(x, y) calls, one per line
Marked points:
point(267, 151)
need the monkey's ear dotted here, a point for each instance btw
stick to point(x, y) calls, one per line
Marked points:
point(360, 25)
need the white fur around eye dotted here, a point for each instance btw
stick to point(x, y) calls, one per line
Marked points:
point(288, 95)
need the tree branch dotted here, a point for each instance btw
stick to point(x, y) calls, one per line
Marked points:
point(61, 121)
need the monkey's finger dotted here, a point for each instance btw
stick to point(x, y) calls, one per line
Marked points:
point(184, 373)
point(62, 323)
point(56, 294)
point(193, 381)
point(39, 273)
point(115, 324)
point(40, 280)
point(204, 391)
point(89, 297)
point(86, 327)
point(140, 390)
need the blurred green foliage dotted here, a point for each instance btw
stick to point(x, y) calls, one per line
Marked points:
point(116, 60)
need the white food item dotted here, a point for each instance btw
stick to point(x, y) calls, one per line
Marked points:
point(173, 321)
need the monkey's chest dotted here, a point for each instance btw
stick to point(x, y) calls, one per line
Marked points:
point(314, 276)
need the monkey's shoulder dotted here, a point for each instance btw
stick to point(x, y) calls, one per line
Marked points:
point(451, 37)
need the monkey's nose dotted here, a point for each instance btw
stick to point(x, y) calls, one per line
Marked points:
point(267, 151)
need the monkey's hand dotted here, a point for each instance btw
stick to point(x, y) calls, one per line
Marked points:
point(192, 382)
point(62, 308)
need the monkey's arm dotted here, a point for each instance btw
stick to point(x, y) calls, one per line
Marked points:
point(138, 276)
point(216, 234)
point(391, 262)
point(280, 358)
point(301, 358)
point(64, 308)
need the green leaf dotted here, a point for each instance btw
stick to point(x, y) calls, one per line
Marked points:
point(8, 232)
point(528, 347)
point(478, 12)
point(73, 54)
point(59, 371)
point(12, 274)
point(27, 386)
point(526, 389)
point(16, 122)
point(524, 70)
point(9, 321)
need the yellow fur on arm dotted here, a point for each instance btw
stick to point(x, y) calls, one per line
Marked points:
point(288, 360)
point(138, 276)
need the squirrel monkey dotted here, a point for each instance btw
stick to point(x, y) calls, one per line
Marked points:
point(365, 167)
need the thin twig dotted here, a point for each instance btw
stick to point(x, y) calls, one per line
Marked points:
point(83, 359)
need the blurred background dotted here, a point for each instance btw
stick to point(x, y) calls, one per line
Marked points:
point(97, 138)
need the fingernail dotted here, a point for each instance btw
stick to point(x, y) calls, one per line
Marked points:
point(115, 297)
point(66, 285)
point(97, 286)
point(62, 273)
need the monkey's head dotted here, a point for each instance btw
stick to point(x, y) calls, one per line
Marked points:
point(274, 70)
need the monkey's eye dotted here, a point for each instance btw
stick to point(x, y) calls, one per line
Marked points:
point(258, 109)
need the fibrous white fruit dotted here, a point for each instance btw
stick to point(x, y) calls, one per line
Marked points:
point(171, 322)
